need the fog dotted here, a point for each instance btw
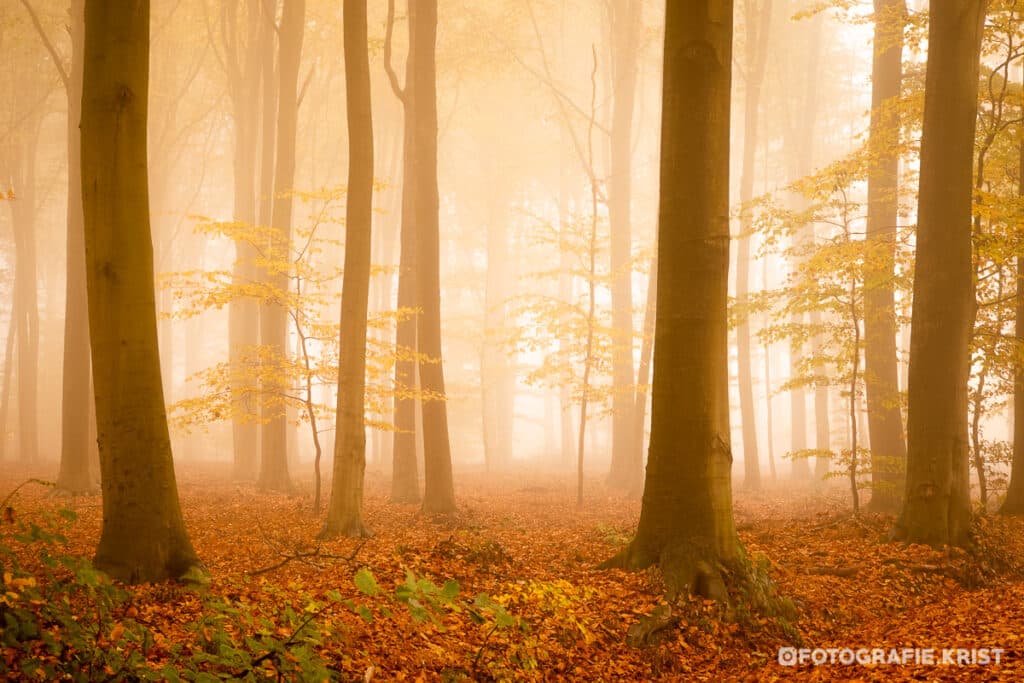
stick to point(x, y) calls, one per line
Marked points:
point(546, 111)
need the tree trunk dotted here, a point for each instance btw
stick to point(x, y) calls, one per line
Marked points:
point(625, 18)
point(758, 22)
point(881, 373)
point(686, 522)
point(439, 490)
point(800, 139)
point(936, 508)
point(345, 514)
point(26, 288)
point(643, 377)
point(1014, 502)
point(274, 317)
point(5, 389)
point(143, 536)
point(75, 474)
point(243, 313)
point(405, 485)
point(497, 391)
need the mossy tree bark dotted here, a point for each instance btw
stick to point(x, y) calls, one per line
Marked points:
point(345, 513)
point(686, 522)
point(143, 536)
point(885, 422)
point(936, 507)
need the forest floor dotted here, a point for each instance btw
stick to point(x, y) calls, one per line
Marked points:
point(526, 545)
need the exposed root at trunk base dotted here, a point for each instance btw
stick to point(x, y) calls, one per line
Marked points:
point(353, 527)
point(742, 588)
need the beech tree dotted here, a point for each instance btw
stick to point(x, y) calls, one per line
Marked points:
point(936, 507)
point(143, 535)
point(344, 514)
point(75, 475)
point(439, 490)
point(274, 318)
point(686, 523)
point(885, 422)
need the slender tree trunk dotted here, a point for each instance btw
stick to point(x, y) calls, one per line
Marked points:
point(565, 296)
point(625, 20)
point(801, 134)
point(439, 490)
point(496, 398)
point(758, 23)
point(243, 313)
point(1014, 502)
point(936, 508)
point(75, 474)
point(23, 218)
point(881, 372)
point(5, 389)
point(405, 486)
point(345, 514)
point(143, 536)
point(644, 375)
point(274, 317)
point(686, 522)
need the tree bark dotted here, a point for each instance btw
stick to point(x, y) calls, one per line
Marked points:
point(758, 23)
point(439, 490)
point(345, 514)
point(26, 287)
point(624, 18)
point(75, 475)
point(274, 317)
point(686, 522)
point(881, 373)
point(405, 485)
point(143, 536)
point(936, 508)
point(1014, 502)
point(243, 312)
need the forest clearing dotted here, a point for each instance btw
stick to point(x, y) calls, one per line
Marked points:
point(525, 543)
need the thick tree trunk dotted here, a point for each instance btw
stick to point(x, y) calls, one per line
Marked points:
point(625, 19)
point(143, 537)
point(439, 490)
point(274, 317)
point(757, 21)
point(936, 508)
point(75, 475)
point(243, 313)
point(686, 522)
point(345, 514)
point(881, 373)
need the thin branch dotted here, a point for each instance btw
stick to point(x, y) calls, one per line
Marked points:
point(400, 93)
point(57, 61)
